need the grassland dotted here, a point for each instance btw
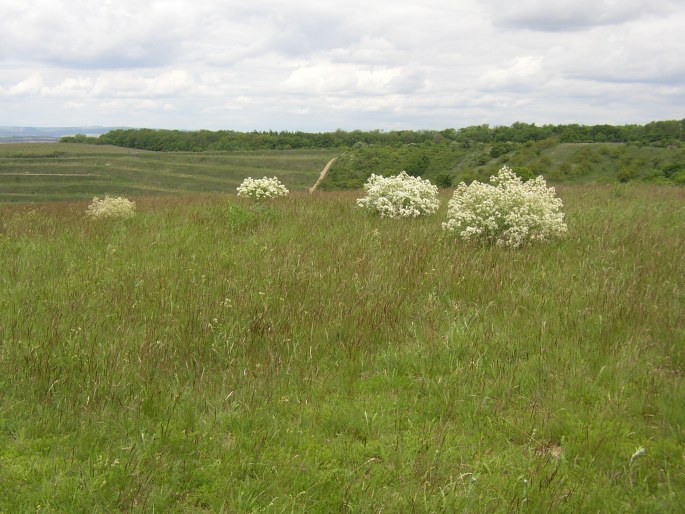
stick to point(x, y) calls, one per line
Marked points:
point(35, 172)
point(61, 171)
point(215, 355)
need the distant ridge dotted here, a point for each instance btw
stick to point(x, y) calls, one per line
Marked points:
point(47, 134)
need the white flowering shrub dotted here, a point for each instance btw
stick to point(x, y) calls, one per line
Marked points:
point(507, 212)
point(110, 207)
point(400, 196)
point(262, 188)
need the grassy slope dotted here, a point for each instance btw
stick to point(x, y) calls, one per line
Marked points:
point(205, 356)
point(558, 163)
point(39, 172)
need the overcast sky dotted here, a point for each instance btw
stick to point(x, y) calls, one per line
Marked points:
point(318, 65)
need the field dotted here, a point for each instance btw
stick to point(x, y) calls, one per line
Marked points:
point(211, 355)
point(38, 172)
point(35, 172)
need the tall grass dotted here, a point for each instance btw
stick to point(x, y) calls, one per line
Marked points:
point(212, 354)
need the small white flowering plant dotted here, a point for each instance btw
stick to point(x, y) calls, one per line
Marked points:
point(507, 212)
point(262, 188)
point(111, 207)
point(400, 196)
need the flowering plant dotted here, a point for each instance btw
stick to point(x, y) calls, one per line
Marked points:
point(262, 188)
point(111, 207)
point(400, 196)
point(509, 212)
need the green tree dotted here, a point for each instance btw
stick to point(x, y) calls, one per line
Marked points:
point(418, 165)
point(444, 180)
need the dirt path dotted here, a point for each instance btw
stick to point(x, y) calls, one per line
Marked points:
point(323, 174)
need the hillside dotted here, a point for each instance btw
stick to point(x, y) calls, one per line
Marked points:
point(64, 171)
point(60, 171)
point(447, 165)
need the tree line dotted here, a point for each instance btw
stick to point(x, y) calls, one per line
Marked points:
point(657, 133)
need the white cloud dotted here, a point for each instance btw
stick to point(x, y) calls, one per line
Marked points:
point(648, 52)
point(86, 34)
point(324, 65)
point(31, 85)
point(318, 78)
point(570, 15)
point(524, 71)
point(70, 87)
point(124, 104)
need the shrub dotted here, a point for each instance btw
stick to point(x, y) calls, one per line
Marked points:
point(444, 180)
point(523, 172)
point(672, 168)
point(400, 196)
point(260, 188)
point(626, 174)
point(679, 178)
point(110, 207)
point(509, 212)
point(499, 149)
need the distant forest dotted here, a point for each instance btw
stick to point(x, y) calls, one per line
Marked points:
point(657, 133)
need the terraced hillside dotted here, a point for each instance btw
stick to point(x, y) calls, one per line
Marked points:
point(57, 171)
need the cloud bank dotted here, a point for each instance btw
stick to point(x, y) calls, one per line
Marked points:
point(319, 66)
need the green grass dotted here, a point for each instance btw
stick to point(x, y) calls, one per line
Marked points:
point(38, 172)
point(211, 354)
point(35, 172)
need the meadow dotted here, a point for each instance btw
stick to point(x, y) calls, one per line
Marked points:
point(301, 355)
point(38, 172)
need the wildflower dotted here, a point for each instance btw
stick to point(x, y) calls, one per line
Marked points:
point(509, 212)
point(110, 207)
point(400, 196)
point(261, 188)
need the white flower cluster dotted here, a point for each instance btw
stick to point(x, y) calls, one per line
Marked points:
point(260, 188)
point(110, 207)
point(509, 212)
point(400, 196)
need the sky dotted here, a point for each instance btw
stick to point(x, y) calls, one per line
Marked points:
point(320, 65)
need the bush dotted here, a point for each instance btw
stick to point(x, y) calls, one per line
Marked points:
point(626, 175)
point(679, 178)
point(523, 172)
point(443, 180)
point(110, 207)
point(672, 168)
point(260, 188)
point(499, 149)
point(400, 196)
point(509, 212)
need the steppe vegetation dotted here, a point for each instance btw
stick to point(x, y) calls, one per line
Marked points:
point(399, 196)
point(198, 351)
point(166, 162)
point(217, 354)
point(39, 172)
point(111, 207)
point(508, 212)
point(560, 163)
point(262, 188)
point(562, 153)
